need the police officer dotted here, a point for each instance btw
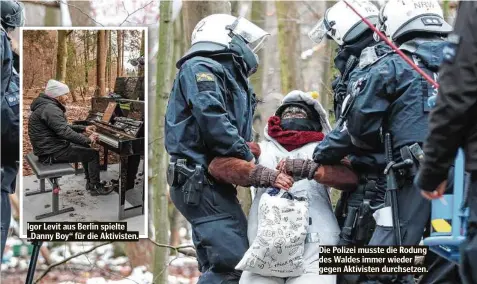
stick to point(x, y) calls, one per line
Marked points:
point(209, 115)
point(352, 35)
point(452, 125)
point(389, 97)
point(12, 16)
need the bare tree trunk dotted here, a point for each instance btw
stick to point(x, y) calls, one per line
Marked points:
point(101, 64)
point(123, 36)
point(194, 11)
point(234, 7)
point(106, 43)
point(51, 17)
point(143, 46)
point(61, 55)
point(289, 46)
point(175, 226)
point(108, 61)
point(78, 9)
point(445, 10)
point(159, 187)
point(72, 63)
point(120, 56)
point(258, 17)
point(178, 50)
point(86, 63)
point(328, 70)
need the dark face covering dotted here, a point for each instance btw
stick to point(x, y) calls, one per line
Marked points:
point(300, 119)
point(300, 124)
point(354, 49)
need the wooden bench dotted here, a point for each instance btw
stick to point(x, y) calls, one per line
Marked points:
point(52, 173)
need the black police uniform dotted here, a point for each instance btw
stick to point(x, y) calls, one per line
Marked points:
point(391, 97)
point(368, 164)
point(209, 114)
point(10, 131)
point(453, 124)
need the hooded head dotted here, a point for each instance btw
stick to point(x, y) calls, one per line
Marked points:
point(57, 90)
point(303, 112)
point(299, 120)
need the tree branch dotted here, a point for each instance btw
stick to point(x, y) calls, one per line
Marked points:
point(81, 11)
point(311, 9)
point(68, 259)
point(134, 11)
point(179, 249)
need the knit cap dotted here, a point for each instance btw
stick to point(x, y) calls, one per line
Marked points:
point(56, 89)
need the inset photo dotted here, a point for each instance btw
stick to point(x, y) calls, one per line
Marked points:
point(84, 126)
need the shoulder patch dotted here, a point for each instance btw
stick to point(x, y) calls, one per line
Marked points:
point(204, 77)
point(450, 49)
point(358, 86)
point(12, 99)
point(369, 57)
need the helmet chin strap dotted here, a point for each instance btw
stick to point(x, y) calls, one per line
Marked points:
point(241, 48)
point(394, 47)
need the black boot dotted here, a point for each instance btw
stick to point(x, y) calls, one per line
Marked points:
point(87, 185)
point(100, 189)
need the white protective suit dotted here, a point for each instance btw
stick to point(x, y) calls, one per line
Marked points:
point(323, 229)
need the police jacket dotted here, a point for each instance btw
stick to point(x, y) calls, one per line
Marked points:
point(390, 96)
point(210, 110)
point(9, 104)
point(337, 144)
point(49, 130)
point(453, 120)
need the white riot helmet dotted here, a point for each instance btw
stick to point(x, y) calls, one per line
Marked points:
point(342, 24)
point(221, 31)
point(400, 17)
point(13, 14)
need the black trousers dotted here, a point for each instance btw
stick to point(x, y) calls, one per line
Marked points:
point(468, 250)
point(219, 232)
point(89, 157)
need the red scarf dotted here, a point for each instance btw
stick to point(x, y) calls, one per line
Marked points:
point(291, 139)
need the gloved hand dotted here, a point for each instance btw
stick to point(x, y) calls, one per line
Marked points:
point(255, 149)
point(298, 168)
point(264, 177)
point(243, 173)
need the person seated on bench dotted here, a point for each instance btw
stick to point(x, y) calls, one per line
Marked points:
point(55, 141)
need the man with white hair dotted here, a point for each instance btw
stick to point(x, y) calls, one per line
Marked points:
point(56, 141)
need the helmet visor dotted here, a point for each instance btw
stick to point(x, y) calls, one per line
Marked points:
point(251, 33)
point(318, 32)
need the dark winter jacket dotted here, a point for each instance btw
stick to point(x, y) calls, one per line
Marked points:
point(49, 130)
point(337, 144)
point(210, 110)
point(10, 101)
point(453, 120)
point(391, 97)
